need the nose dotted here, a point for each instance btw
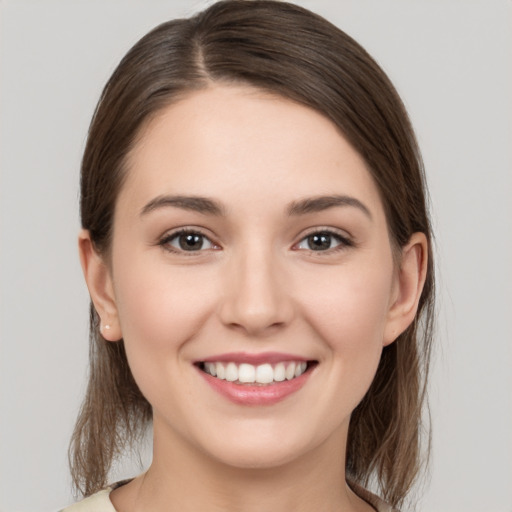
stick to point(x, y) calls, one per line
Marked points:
point(256, 295)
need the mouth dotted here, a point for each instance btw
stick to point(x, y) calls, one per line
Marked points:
point(265, 374)
point(256, 379)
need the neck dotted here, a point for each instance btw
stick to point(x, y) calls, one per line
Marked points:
point(183, 478)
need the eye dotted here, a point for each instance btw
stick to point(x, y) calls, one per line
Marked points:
point(188, 241)
point(323, 241)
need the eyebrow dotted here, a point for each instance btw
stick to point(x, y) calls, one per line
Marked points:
point(321, 203)
point(194, 203)
point(208, 206)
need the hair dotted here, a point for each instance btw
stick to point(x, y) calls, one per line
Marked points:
point(286, 50)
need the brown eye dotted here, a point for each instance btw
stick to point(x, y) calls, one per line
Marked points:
point(191, 242)
point(323, 241)
point(188, 241)
point(319, 242)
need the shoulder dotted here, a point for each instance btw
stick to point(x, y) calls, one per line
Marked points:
point(99, 502)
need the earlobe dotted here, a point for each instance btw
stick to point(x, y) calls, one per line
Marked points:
point(410, 280)
point(99, 282)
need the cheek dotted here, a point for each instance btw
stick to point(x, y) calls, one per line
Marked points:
point(348, 311)
point(161, 308)
point(349, 308)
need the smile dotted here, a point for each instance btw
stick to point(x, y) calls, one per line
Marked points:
point(263, 374)
point(256, 380)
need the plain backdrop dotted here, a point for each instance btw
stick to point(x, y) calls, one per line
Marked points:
point(451, 62)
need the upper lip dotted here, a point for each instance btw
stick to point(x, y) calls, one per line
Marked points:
point(254, 359)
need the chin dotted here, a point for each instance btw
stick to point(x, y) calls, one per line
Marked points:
point(257, 457)
point(260, 449)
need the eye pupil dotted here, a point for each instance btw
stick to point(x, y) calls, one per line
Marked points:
point(319, 241)
point(191, 242)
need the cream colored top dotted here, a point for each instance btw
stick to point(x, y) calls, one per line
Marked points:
point(100, 502)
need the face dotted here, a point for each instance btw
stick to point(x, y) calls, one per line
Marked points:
point(251, 275)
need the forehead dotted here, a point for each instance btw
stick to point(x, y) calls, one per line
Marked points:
point(237, 141)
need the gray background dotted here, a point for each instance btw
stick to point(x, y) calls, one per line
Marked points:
point(451, 62)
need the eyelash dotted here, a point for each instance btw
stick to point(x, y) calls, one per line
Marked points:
point(165, 242)
point(344, 242)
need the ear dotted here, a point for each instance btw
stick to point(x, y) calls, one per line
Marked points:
point(99, 281)
point(408, 285)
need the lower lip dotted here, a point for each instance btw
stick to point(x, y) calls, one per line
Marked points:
point(246, 394)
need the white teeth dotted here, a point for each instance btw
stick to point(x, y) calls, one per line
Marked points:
point(246, 373)
point(211, 368)
point(220, 370)
point(279, 372)
point(231, 372)
point(290, 371)
point(262, 374)
point(300, 369)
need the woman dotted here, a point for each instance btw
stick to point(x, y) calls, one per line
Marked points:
point(258, 254)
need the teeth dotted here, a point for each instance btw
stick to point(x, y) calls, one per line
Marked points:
point(261, 374)
point(247, 373)
point(300, 369)
point(279, 372)
point(290, 371)
point(211, 368)
point(264, 374)
point(231, 372)
point(220, 370)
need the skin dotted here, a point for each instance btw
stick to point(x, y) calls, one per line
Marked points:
point(257, 285)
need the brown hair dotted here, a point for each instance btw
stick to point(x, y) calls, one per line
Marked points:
point(287, 50)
